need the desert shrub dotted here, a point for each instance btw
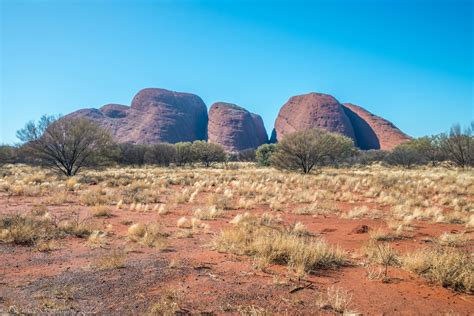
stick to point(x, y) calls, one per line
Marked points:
point(66, 144)
point(264, 154)
point(94, 197)
point(131, 154)
point(78, 227)
point(458, 146)
point(208, 153)
point(160, 154)
point(167, 305)
point(309, 148)
point(406, 155)
point(184, 153)
point(429, 148)
point(151, 235)
point(102, 211)
point(114, 259)
point(208, 213)
point(367, 157)
point(446, 266)
point(272, 244)
point(246, 155)
point(336, 299)
point(7, 154)
point(382, 253)
point(27, 229)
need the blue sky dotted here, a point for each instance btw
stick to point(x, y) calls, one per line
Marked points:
point(408, 61)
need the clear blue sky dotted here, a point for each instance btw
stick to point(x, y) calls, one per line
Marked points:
point(408, 61)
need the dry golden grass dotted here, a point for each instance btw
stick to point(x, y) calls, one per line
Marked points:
point(97, 239)
point(451, 239)
point(167, 305)
point(402, 198)
point(184, 222)
point(27, 229)
point(96, 196)
point(102, 211)
point(445, 266)
point(114, 259)
point(272, 244)
point(335, 299)
point(78, 227)
point(381, 234)
point(151, 235)
point(208, 214)
point(222, 201)
point(381, 253)
point(38, 228)
point(253, 310)
point(46, 245)
point(57, 198)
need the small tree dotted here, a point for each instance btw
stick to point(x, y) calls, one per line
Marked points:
point(306, 149)
point(367, 157)
point(458, 146)
point(247, 155)
point(67, 144)
point(264, 154)
point(161, 154)
point(208, 153)
point(405, 155)
point(132, 154)
point(429, 148)
point(184, 153)
point(7, 154)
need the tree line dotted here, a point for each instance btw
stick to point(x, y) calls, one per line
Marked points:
point(69, 144)
point(307, 149)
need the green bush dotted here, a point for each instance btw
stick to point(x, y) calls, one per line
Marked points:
point(306, 149)
point(264, 154)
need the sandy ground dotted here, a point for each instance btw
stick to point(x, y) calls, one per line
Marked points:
point(203, 281)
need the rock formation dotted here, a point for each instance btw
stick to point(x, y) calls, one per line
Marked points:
point(372, 131)
point(316, 110)
point(156, 115)
point(312, 110)
point(235, 128)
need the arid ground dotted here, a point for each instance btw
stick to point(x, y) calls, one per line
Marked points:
point(237, 239)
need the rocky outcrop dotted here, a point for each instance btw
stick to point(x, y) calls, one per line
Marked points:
point(316, 110)
point(372, 131)
point(156, 115)
point(312, 110)
point(159, 115)
point(235, 128)
point(262, 135)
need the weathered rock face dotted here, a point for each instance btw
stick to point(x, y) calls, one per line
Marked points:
point(262, 135)
point(235, 128)
point(316, 110)
point(156, 115)
point(372, 131)
point(312, 110)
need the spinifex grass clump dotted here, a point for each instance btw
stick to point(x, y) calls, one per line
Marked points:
point(446, 266)
point(27, 229)
point(35, 227)
point(275, 244)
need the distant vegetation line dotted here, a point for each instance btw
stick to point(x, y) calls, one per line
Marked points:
point(69, 144)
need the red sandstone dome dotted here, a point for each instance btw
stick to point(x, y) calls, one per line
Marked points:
point(235, 128)
point(312, 110)
point(159, 115)
point(156, 115)
point(372, 131)
point(317, 110)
